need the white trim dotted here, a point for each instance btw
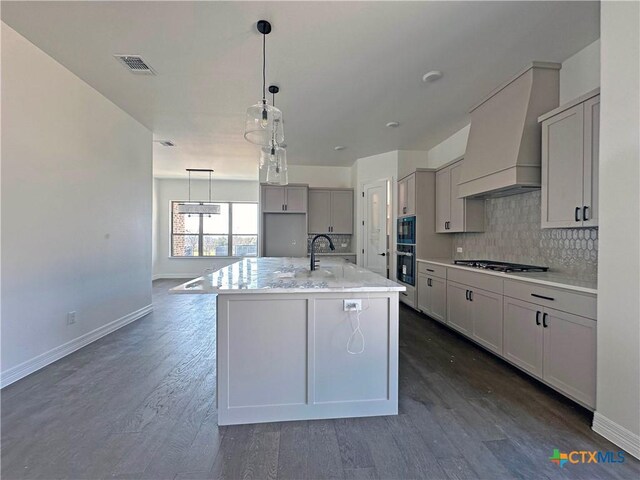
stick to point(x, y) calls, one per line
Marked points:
point(26, 368)
point(625, 439)
point(188, 276)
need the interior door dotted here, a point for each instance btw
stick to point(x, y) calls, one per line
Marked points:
point(523, 335)
point(342, 212)
point(319, 211)
point(375, 227)
point(443, 199)
point(562, 169)
point(296, 200)
point(570, 354)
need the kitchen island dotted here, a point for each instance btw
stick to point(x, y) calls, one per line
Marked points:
point(288, 342)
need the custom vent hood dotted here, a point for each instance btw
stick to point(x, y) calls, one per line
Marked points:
point(503, 150)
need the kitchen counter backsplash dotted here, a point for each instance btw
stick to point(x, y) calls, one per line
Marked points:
point(513, 234)
point(341, 242)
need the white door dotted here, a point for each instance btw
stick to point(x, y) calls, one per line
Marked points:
point(375, 227)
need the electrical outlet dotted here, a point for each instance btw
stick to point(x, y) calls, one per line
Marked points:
point(71, 318)
point(353, 305)
point(459, 249)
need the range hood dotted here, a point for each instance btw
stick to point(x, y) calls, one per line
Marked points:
point(503, 150)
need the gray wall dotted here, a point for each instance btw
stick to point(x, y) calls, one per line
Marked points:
point(513, 234)
point(76, 211)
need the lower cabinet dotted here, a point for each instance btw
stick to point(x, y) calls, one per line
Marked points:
point(476, 313)
point(558, 347)
point(458, 307)
point(432, 297)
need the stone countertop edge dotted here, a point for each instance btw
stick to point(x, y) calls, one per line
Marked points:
point(265, 275)
point(551, 279)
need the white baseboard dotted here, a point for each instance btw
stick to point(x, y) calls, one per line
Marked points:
point(625, 439)
point(26, 368)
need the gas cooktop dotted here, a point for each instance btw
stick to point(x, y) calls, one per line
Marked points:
point(500, 266)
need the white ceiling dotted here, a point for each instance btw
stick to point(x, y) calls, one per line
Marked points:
point(345, 68)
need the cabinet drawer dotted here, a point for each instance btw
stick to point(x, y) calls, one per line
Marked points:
point(478, 280)
point(566, 301)
point(432, 269)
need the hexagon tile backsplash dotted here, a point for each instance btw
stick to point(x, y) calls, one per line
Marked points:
point(513, 234)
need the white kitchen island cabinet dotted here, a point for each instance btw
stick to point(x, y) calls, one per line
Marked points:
point(282, 340)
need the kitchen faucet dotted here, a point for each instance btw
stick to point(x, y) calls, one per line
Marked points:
point(313, 253)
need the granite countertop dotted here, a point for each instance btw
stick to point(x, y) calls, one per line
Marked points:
point(333, 254)
point(288, 275)
point(549, 278)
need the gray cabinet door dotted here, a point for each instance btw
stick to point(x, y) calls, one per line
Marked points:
point(411, 195)
point(296, 199)
point(438, 299)
point(402, 197)
point(458, 308)
point(342, 212)
point(424, 294)
point(456, 205)
point(319, 211)
point(443, 199)
point(486, 311)
point(562, 168)
point(591, 161)
point(273, 199)
point(570, 355)
point(522, 335)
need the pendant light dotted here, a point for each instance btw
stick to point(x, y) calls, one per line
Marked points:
point(274, 157)
point(261, 119)
point(197, 208)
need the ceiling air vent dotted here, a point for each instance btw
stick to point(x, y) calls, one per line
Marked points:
point(135, 64)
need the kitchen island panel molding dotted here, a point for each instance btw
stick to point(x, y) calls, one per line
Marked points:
point(269, 371)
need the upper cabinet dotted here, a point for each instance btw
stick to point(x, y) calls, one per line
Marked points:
point(570, 142)
point(407, 196)
point(331, 211)
point(455, 214)
point(289, 199)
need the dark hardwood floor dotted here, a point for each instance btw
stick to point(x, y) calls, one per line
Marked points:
point(139, 403)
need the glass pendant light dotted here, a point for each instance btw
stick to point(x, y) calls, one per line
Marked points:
point(273, 158)
point(277, 169)
point(261, 119)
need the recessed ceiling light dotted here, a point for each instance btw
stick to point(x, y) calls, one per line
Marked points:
point(393, 124)
point(432, 76)
point(165, 143)
point(337, 148)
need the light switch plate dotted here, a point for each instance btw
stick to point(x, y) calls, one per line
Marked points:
point(459, 249)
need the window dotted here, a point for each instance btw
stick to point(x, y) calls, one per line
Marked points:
point(234, 232)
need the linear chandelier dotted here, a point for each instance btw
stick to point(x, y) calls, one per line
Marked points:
point(197, 208)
